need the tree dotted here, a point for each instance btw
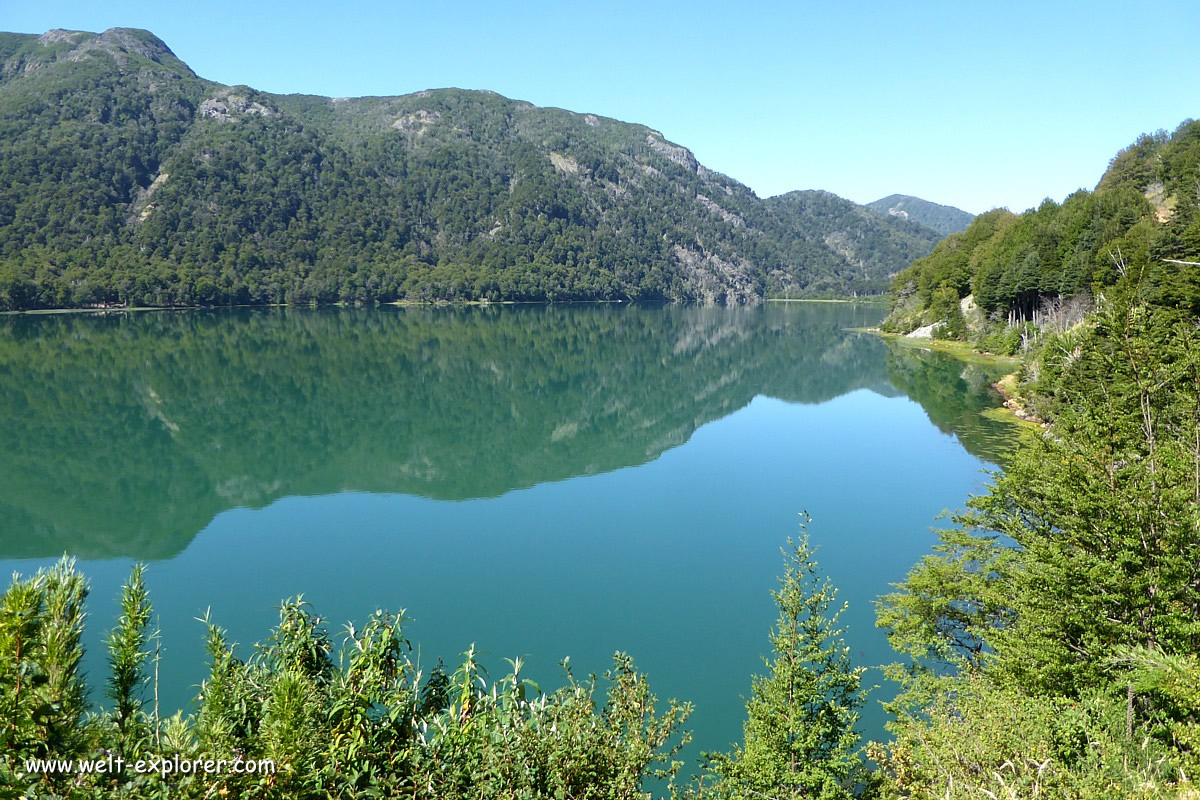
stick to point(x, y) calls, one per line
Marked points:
point(1100, 515)
point(127, 654)
point(947, 314)
point(799, 732)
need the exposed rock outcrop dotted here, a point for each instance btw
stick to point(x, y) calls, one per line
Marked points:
point(728, 216)
point(228, 104)
point(673, 152)
point(711, 279)
point(418, 122)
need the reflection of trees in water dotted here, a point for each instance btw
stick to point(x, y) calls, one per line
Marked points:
point(953, 394)
point(127, 434)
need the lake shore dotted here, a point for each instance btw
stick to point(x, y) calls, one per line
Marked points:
point(1013, 410)
point(418, 303)
point(960, 350)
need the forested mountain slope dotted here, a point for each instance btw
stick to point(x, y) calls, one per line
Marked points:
point(1050, 638)
point(943, 219)
point(126, 178)
point(1143, 217)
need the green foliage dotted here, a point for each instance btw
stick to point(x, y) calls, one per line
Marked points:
point(127, 656)
point(1105, 511)
point(127, 180)
point(1007, 340)
point(1173, 683)
point(949, 265)
point(1051, 638)
point(799, 733)
point(975, 739)
point(1143, 217)
point(812, 222)
point(42, 694)
point(351, 721)
point(1102, 513)
point(943, 219)
point(947, 314)
point(945, 612)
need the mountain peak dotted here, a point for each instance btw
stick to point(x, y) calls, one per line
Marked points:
point(943, 219)
point(135, 40)
point(128, 47)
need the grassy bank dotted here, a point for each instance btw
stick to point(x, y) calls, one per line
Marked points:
point(960, 350)
point(875, 299)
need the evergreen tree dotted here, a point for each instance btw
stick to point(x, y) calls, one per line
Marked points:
point(127, 654)
point(799, 732)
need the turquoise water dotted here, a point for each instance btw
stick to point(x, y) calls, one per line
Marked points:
point(540, 481)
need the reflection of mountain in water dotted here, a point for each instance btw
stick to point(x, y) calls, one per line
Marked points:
point(125, 435)
point(953, 393)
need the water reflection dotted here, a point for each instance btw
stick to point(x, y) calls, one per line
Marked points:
point(126, 435)
point(953, 393)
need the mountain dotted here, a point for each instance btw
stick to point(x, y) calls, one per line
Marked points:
point(127, 179)
point(821, 221)
point(943, 219)
point(1139, 228)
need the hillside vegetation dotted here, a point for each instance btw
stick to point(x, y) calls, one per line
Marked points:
point(943, 219)
point(127, 179)
point(1142, 221)
point(1050, 638)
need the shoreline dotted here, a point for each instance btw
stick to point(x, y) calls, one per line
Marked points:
point(872, 300)
point(339, 304)
point(1013, 406)
point(424, 304)
point(960, 350)
point(1011, 411)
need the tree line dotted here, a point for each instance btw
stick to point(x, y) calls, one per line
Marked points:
point(1144, 215)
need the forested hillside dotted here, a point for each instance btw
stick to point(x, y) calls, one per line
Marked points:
point(1143, 216)
point(127, 179)
point(1050, 641)
point(943, 219)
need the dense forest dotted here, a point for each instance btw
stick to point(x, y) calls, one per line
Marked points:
point(125, 179)
point(943, 219)
point(1048, 264)
point(1050, 641)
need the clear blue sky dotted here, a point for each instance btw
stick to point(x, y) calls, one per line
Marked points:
point(970, 104)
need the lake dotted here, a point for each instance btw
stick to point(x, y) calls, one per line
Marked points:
point(542, 481)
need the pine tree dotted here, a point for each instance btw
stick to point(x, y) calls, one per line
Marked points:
point(799, 733)
point(127, 654)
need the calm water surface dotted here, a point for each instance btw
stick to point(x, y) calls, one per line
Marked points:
point(540, 481)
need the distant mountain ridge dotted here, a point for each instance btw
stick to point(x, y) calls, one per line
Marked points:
point(127, 179)
point(943, 219)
